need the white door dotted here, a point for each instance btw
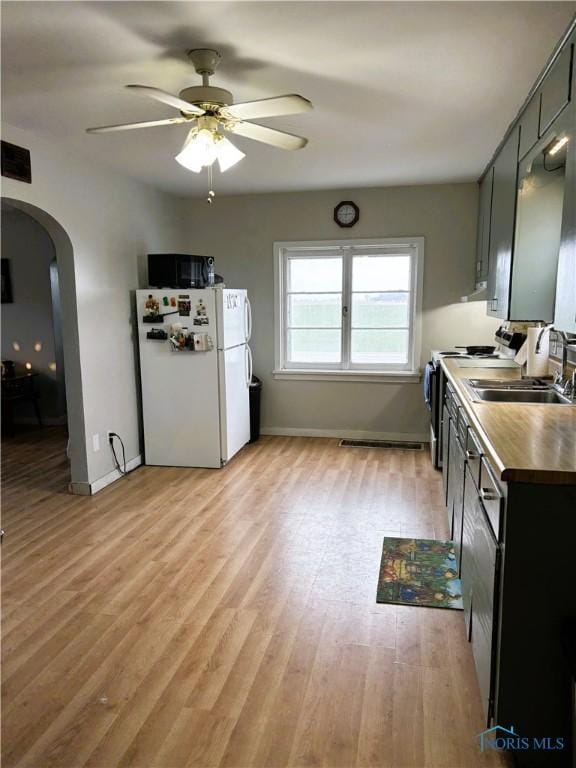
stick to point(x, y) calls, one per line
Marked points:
point(180, 398)
point(234, 318)
point(235, 371)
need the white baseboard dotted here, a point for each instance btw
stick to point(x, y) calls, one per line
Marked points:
point(352, 434)
point(89, 489)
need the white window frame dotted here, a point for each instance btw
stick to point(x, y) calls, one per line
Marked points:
point(409, 371)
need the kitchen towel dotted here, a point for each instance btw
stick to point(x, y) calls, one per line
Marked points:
point(428, 372)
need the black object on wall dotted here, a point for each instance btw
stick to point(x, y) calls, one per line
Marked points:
point(7, 297)
point(16, 162)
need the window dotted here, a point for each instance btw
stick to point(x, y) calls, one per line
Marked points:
point(348, 307)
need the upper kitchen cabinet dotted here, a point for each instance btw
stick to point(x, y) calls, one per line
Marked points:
point(502, 226)
point(530, 124)
point(540, 212)
point(565, 314)
point(556, 88)
point(532, 222)
point(483, 234)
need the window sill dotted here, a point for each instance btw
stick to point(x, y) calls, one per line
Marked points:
point(377, 377)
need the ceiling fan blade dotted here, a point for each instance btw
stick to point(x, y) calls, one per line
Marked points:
point(167, 98)
point(145, 124)
point(271, 136)
point(291, 104)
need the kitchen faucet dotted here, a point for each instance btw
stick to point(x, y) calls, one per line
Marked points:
point(566, 386)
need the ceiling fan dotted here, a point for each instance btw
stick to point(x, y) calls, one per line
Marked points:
point(211, 112)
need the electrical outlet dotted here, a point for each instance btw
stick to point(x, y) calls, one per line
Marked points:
point(109, 435)
point(95, 443)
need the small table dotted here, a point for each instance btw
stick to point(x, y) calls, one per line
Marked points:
point(16, 389)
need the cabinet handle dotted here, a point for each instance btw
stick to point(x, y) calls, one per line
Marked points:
point(472, 455)
point(486, 494)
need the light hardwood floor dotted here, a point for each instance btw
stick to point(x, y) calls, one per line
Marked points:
point(227, 617)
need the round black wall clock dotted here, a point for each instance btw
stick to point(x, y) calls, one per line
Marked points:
point(346, 213)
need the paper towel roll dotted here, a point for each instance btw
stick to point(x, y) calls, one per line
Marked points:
point(522, 354)
point(537, 362)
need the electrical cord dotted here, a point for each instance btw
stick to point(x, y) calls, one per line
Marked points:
point(111, 436)
point(551, 170)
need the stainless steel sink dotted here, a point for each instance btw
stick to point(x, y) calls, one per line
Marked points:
point(522, 396)
point(514, 391)
point(530, 384)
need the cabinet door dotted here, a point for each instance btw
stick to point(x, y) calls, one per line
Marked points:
point(481, 637)
point(466, 555)
point(565, 309)
point(445, 451)
point(483, 235)
point(452, 476)
point(458, 503)
point(556, 88)
point(529, 125)
point(502, 227)
point(485, 554)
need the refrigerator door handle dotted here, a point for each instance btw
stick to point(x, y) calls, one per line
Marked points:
point(249, 366)
point(248, 319)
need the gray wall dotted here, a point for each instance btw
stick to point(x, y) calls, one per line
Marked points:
point(239, 231)
point(29, 320)
point(103, 225)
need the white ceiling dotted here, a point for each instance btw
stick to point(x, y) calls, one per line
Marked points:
point(404, 92)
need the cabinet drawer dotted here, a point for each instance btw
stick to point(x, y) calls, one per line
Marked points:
point(448, 395)
point(474, 455)
point(462, 427)
point(556, 89)
point(491, 495)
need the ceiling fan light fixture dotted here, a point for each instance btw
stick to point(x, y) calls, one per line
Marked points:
point(199, 150)
point(227, 154)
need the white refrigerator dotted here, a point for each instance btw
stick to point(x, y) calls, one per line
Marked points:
point(195, 369)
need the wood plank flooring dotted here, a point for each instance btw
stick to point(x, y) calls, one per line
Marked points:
point(227, 617)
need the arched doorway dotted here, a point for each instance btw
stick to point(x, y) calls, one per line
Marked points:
point(63, 284)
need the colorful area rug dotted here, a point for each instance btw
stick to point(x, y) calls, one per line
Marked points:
point(419, 572)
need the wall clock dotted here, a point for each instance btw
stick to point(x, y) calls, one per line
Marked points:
point(346, 213)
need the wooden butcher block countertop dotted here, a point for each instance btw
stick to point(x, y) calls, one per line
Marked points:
point(527, 443)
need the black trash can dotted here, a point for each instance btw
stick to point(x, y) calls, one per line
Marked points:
point(255, 394)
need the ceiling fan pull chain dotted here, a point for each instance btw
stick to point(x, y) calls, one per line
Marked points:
point(211, 193)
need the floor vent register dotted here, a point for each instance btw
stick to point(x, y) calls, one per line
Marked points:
point(398, 444)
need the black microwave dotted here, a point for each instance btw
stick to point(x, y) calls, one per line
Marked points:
point(179, 270)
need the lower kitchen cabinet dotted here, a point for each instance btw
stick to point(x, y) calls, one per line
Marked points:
point(518, 589)
point(445, 450)
point(480, 574)
point(459, 460)
point(485, 552)
point(467, 559)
